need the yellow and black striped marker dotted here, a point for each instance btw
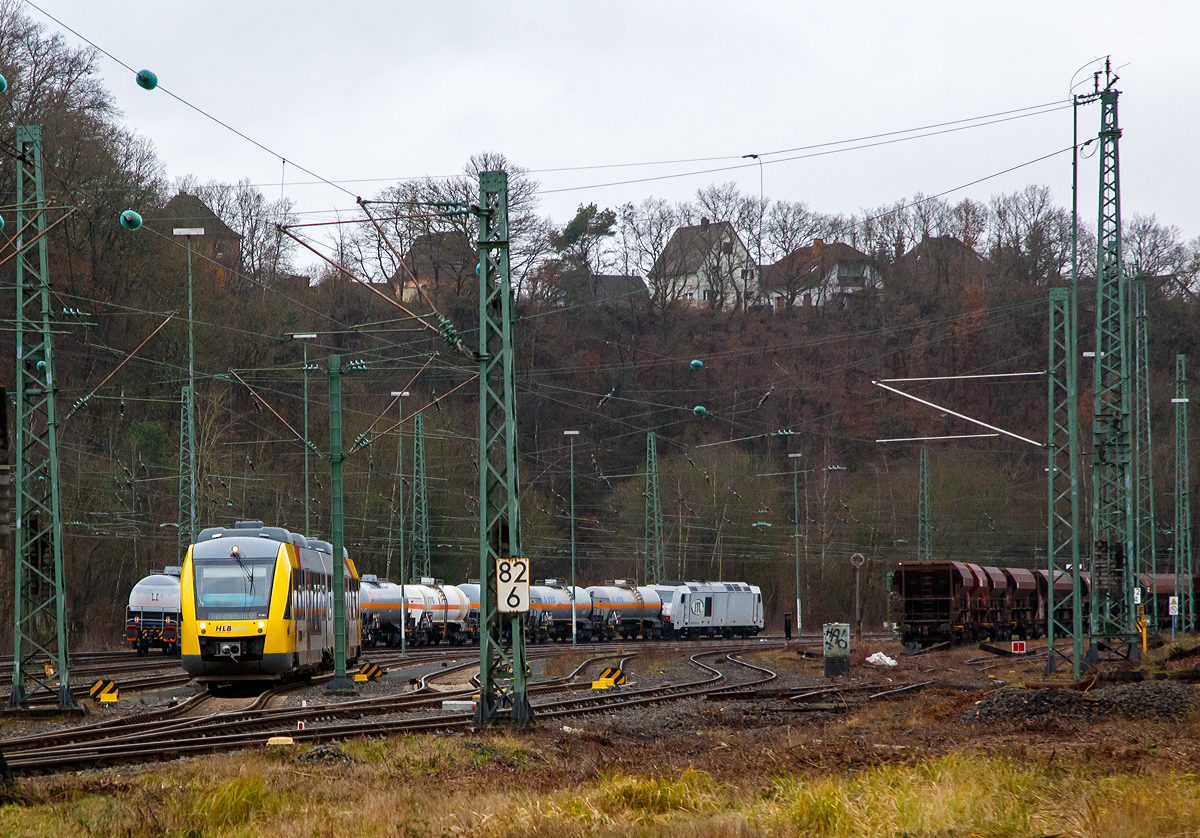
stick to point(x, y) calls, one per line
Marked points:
point(610, 677)
point(105, 691)
point(369, 672)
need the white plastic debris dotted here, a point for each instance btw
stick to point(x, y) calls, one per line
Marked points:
point(880, 659)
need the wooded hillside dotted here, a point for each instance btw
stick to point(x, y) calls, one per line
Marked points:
point(964, 291)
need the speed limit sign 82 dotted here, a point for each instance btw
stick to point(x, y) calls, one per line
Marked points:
point(512, 585)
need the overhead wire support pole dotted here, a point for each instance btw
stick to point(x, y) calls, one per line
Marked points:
point(1112, 559)
point(499, 500)
point(574, 631)
point(924, 536)
point(186, 475)
point(795, 458)
point(397, 506)
point(420, 504)
point(654, 563)
point(39, 601)
point(308, 446)
point(1062, 476)
point(1143, 461)
point(187, 456)
point(339, 683)
point(1183, 521)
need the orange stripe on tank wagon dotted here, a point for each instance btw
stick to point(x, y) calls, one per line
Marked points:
point(378, 606)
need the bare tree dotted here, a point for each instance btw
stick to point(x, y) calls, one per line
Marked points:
point(643, 231)
point(265, 252)
point(529, 234)
point(1152, 249)
point(790, 225)
point(727, 203)
point(1030, 237)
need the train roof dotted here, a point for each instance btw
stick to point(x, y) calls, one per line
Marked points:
point(256, 529)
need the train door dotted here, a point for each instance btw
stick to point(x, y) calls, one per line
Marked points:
point(306, 598)
point(297, 611)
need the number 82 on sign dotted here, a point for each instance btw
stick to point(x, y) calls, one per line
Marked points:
point(512, 586)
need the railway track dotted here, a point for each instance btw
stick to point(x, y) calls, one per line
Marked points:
point(162, 672)
point(165, 735)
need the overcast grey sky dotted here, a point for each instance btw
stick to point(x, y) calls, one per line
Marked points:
point(366, 93)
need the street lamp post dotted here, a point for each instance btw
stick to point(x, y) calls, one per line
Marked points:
point(795, 458)
point(760, 215)
point(399, 397)
point(304, 342)
point(571, 436)
point(190, 233)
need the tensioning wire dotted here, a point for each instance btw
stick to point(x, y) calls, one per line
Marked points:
point(754, 164)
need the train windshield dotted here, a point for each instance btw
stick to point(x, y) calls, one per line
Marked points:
point(233, 587)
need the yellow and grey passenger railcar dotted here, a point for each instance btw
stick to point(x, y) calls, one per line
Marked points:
point(258, 605)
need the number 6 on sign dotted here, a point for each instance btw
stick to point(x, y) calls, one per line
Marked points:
point(512, 585)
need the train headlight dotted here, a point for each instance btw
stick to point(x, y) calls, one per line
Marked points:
point(261, 625)
point(203, 626)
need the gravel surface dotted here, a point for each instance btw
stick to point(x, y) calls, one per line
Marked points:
point(1162, 700)
point(1149, 700)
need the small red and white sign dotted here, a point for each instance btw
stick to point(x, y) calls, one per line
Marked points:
point(1018, 647)
point(300, 725)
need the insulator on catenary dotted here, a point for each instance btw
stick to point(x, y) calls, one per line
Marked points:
point(130, 220)
point(699, 410)
point(697, 364)
point(3, 85)
point(147, 80)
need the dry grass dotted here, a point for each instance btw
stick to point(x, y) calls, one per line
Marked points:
point(504, 787)
point(563, 663)
point(899, 768)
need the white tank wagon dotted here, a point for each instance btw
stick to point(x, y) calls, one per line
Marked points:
point(711, 609)
point(153, 616)
point(555, 603)
point(430, 612)
point(471, 591)
point(623, 608)
point(549, 616)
